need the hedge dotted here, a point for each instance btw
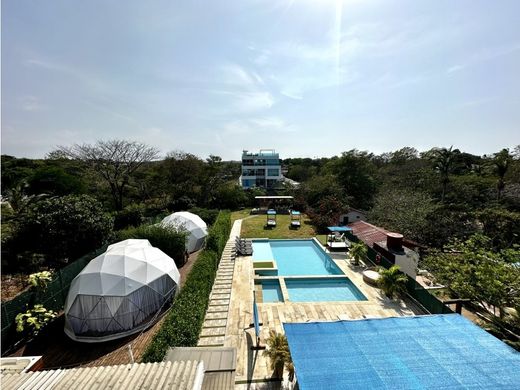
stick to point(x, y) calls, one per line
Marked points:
point(183, 323)
point(166, 238)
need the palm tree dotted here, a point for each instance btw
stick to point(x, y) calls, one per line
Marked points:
point(443, 163)
point(278, 353)
point(392, 281)
point(501, 161)
point(358, 251)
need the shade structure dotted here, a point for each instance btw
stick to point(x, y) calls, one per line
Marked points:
point(120, 292)
point(443, 351)
point(193, 224)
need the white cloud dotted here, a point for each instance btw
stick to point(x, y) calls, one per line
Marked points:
point(31, 103)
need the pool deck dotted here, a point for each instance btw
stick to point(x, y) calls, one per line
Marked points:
point(251, 365)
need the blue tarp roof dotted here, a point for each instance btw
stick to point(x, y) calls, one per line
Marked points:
point(339, 228)
point(422, 352)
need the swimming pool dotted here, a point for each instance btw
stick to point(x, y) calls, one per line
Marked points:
point(271, 291)
point(322, 290)
point(295, 257)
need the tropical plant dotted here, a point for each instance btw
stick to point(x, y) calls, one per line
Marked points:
point(358, 251)
point(40, 280)
point(278, 353)
point(501, 162)
point(392, 281)
point(33, 320)
point(443, 164)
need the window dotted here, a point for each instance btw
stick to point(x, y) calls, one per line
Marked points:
point(273, 172)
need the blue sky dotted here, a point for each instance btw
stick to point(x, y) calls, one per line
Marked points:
point(306, 77)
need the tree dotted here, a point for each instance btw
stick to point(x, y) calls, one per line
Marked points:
point(501, 162)
point(358, 251)
point(327, 212)
point(114, 160)
point(355, 171)
point(392, 281)
point(319, 187)
point(63, 228)
point(443, 164)
point(278, 353)
point(405, 211)
point(476, 271)
point(55, 181)
point(33, 320)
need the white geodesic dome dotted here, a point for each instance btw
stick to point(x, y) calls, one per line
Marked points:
point(193, 224)
point(120, 292)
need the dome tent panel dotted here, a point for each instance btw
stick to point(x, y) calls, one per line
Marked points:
point(194, 225)
point(139, 286)
point(130, 242)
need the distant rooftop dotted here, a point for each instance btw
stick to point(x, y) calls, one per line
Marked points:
point(262, 152)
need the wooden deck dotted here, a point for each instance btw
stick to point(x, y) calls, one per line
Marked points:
point(251, 365)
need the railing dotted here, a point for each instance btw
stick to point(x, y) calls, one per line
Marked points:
point(430, 302)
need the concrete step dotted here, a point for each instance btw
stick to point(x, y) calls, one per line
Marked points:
point(218, 302)
point(213, 332)
point(214, 323)
point(211, 341)
point(218, 309)
point(219, 315)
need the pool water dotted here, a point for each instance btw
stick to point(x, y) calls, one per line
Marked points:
point(323, 290)
point(271, 291)
point(295, 257)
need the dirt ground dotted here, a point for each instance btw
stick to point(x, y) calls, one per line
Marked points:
point(12, 285)
point(58, 351)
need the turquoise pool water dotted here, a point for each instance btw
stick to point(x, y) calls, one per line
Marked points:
point(271, 291)
point(295, 257)
point(323, 290)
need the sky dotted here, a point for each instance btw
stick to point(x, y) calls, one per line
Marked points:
point(309, 78)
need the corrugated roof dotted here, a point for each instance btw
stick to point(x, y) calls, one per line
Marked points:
point(368, 233)
point(219, 364)
point(171, 375)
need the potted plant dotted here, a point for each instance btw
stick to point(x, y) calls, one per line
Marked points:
point(358, 251)
point(279, 356)
point(392, 281)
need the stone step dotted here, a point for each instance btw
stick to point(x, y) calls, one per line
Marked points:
point(211, 341)
point(218, 302)
point(218, 309)
point(220, 315)
point(214, 323)
point(226, 295)
point(224, 278)
point(213, 332)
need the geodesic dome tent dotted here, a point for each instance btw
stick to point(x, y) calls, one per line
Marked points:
point(193, 224)
point(120, 292)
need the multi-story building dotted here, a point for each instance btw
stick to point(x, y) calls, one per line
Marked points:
point(262, 169)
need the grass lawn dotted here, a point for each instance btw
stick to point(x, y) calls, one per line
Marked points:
point(239, 214)
point(254, 227)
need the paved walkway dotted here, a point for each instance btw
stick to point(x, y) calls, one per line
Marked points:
point(216, 321)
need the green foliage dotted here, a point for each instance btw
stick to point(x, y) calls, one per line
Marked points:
point(404, 211)
point(40, 280)
point(132, 215)
point(279, 355)
point(208, 215)
point(327, 213)
point(392, 281)
point(33, 320)
point(356, 172)
point(218, 234)
point(476, 271)
point(358, 251)
point(54, 180)
point(183, 323)
point(63, 228)
point(502, 226)
point(319, 187)
point(167, 238)
point(229, 196)
point(443, 162)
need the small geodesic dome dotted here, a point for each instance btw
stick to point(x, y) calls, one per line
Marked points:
point(120, 292)
point(193, 224)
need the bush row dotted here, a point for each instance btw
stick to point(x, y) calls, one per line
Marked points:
point(166, 238)
point(183, 323)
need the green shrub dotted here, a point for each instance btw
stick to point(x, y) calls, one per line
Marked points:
point(168, 239)
point(183, 323)
point(132, 215)
point(218, 234)
point(63, 228)
point(208, 215)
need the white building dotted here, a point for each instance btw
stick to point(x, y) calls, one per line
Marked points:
point(262, 169)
